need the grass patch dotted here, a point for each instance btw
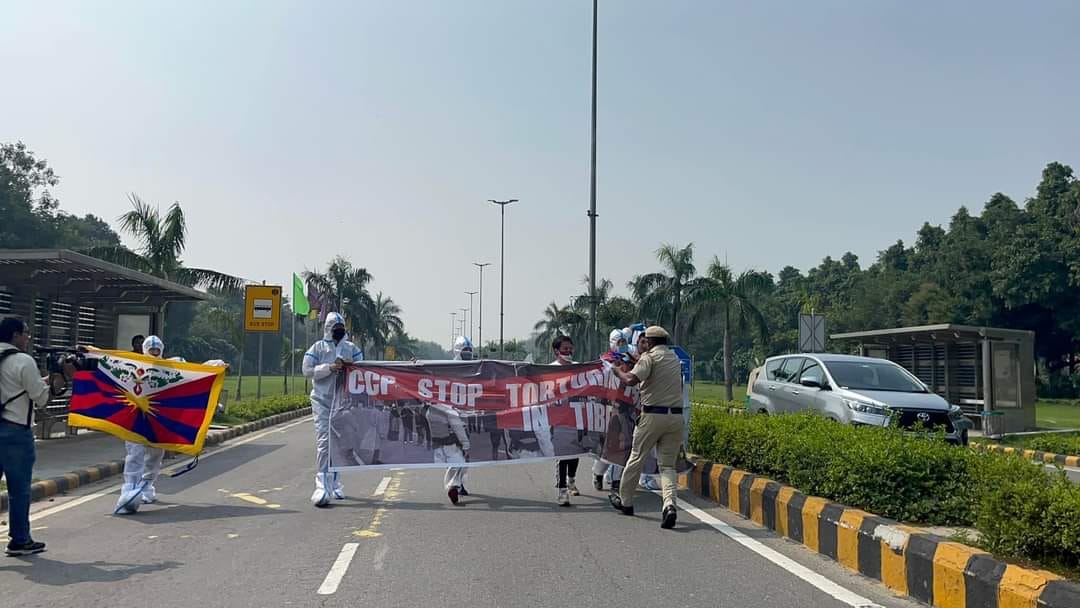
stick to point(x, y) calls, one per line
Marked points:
point(713, 394)
point(271, 386)
point(1057, 414)
point(250, 410)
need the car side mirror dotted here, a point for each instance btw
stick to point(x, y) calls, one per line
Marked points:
point(810, 383)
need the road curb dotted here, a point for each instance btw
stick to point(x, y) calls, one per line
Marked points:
point(1045, 457)
point(908, 561)
point(67, 482)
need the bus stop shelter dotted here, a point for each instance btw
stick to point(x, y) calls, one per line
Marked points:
point(69, 298)
point(981, 369)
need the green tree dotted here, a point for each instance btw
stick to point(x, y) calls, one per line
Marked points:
point(387, 317)
point(161, 242)
point(662, 295)
point(736, 301)
point(345, 289)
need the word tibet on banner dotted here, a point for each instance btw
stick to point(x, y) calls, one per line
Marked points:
point(156, 402)
point(409, 414)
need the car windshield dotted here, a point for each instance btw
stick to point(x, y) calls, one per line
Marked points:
point(866, 375)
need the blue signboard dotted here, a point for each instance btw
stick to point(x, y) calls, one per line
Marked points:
point(687, 364)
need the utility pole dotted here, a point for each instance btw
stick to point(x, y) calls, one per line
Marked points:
point(471, 294)
point(481, 338)
point(593, 350)
point(502, 269)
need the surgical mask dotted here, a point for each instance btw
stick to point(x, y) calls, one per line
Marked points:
point(568, 358)
point(338, 334)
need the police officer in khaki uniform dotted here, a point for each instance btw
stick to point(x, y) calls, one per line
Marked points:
point(659, 375)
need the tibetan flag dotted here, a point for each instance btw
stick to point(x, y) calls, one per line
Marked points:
point(301, 308)
point(157, 402)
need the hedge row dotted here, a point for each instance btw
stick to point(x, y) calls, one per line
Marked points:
point(1020, 510)
point(1058, 443)
point(248, 410)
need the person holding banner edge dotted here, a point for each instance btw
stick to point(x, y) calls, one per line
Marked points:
point(566, 469)
point(323, 363)
point(659, 374)
point(449, 436)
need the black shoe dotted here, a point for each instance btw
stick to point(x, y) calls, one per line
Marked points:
point(452, 494)
point(616, 501)
point(598, 482)
point(28, 548)
point(462, 491)
point(669, 518)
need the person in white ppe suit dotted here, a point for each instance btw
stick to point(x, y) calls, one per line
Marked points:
point(142, 463)
point(618, 350)
point(449, 435)
point(323, 363)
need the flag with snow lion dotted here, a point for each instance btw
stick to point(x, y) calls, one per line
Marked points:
point(156, 402)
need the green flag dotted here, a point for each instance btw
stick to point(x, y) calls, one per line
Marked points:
point(300, 304)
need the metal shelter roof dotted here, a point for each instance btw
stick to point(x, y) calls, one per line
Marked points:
point(67, 276)
point(943, 333)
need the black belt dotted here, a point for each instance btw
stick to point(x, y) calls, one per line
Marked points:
point(652, 409)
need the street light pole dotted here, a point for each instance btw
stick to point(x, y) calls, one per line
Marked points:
point(502, 269)
point(464, 322)
point(453, 329)
point(480, 341)
point(592, 202)
point(471, 294)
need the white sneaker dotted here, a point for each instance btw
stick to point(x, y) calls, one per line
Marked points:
point(572, 487)
point(149, 495)
point(564, 498)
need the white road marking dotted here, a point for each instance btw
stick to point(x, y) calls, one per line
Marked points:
point(85, 499)
point(840, 593)
point(381, 488)
point(337, 571)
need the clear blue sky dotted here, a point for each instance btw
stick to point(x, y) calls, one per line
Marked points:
point(773, 132)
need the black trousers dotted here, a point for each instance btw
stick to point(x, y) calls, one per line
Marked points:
point(567, 468)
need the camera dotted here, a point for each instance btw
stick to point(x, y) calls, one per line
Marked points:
point(61, 365)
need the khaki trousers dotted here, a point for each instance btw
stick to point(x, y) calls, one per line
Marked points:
point(663, 431)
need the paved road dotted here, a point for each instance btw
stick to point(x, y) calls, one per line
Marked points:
point(238, 531)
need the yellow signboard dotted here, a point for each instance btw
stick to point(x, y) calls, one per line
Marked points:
point(390, 354)
point(262, 308)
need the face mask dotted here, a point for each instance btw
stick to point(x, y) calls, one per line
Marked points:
point(338, 334)
point(466, 355)
point(567, 358)
point(623, 348)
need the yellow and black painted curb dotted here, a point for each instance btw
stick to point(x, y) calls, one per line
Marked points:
point(40, 490)
point(1046, 457)
point(908, 561)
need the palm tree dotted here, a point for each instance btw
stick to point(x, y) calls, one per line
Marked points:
point(734, 299)
point(161, 245)
point(404, 345)
point(558, 321)
point(344, 289)
point(662, 295)
point(387, 316)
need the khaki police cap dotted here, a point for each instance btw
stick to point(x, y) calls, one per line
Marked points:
point(655, 331)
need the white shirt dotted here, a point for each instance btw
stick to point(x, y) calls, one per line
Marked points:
point(18, 373)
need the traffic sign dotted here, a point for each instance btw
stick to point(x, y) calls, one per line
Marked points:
point(811, 333)
point(262, 308)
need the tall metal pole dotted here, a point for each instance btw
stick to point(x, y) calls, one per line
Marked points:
point(453, 329)
point(481, 338)
point(593, 338)
point(471, 334)
point(465, 322)
point(502, 270)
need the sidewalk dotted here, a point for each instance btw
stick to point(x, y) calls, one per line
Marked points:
point(65, 463)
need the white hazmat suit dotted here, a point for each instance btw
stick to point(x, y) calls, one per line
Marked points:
point(142, 463)
point(318, 362)
point(449, 436)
